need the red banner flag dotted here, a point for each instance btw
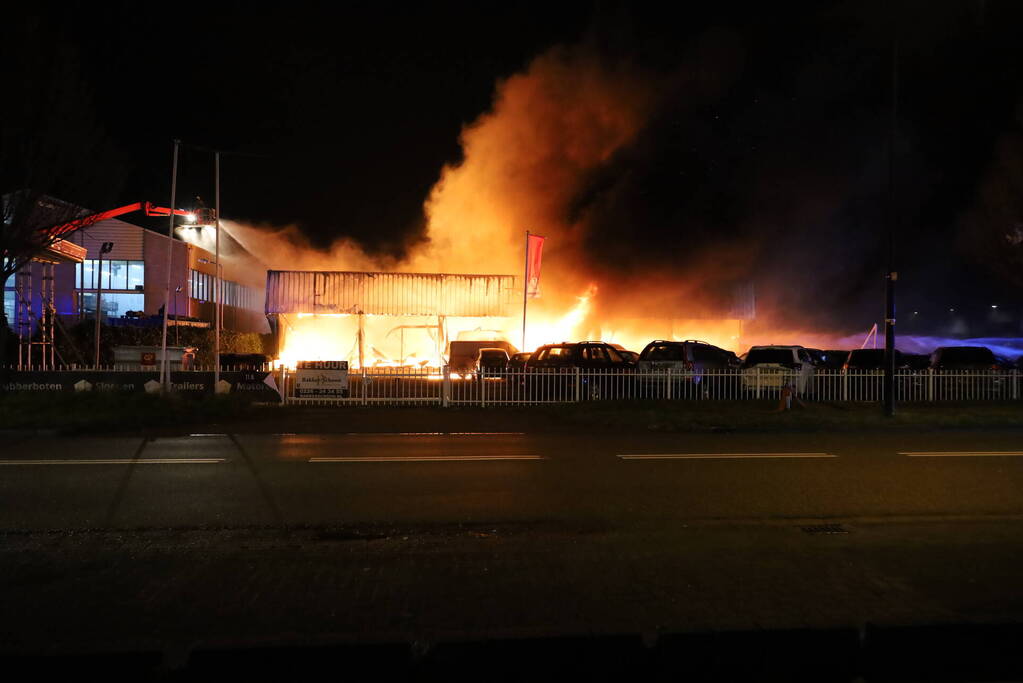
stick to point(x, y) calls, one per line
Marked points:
point(534, 255)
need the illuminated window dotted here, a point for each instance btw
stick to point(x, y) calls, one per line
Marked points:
point(117, 274)
point(136, 274)
point(114, 304)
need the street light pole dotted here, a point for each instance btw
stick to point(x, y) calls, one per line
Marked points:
point(164, 374)
point(177, 318)
point(218, 285)
point(104, 248)
point(891, 275)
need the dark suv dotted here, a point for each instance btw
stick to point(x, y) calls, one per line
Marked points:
point(551, 372)
point(969, 358)
point(691, 359)
point(968, 372)
point(586, 355)
point(870, 359)
point(689, 355)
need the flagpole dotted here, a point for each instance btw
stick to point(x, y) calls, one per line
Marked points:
point(525, 292)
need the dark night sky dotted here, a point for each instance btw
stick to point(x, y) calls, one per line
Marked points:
point(357, 106)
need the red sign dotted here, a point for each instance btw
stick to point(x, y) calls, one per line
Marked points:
point(534, 255)
point(149, 358)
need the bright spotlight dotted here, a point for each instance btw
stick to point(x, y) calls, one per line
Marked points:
point(190, 218)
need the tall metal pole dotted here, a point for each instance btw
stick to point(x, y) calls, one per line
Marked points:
point(525, 293)
point(218, 285)
point(177, 318)
point(891, 275)
point(164, 374)
point(99, 289)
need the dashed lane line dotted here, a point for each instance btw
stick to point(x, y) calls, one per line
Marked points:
point(960, 454)
point(426, 458)
point(720, 456)
point(118, 461)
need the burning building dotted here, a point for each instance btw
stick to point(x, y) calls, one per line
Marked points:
point(373, 319)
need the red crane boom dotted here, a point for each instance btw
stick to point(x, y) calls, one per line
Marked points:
point(85, 221)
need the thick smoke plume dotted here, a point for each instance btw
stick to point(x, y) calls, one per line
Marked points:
point(525, 162)
point(573, 149)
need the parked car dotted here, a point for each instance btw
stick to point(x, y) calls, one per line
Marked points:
point(916, 361)
point(548, 371)
point(964, 358)
point(772, 367)
point(631, 357)
point(818, 357)
point(968, 372)
point(870, 359)
point(690, 355)
point(518, 361)
point(691, 361)
point(834, 359)
point(462, 354)
point(491, 360)
point(586, 355)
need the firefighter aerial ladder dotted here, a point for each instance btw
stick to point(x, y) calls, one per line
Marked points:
point(59, 250)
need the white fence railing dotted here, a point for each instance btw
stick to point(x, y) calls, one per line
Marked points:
point(413, 386)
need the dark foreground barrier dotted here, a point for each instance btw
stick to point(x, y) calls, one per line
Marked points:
point(987, 652)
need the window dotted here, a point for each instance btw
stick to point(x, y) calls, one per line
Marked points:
point(613, 354)
point(667, 352)
point(777, 356)
point(9, 306)
point(115, 304)
point(136, 274)
point(200, 286)
point(116, 275)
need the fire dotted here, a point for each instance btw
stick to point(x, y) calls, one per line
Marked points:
point(564, 328)
point(529, 163)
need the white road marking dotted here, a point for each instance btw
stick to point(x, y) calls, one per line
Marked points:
point(119, 461)
point(434, 433)
point(427, 458)
point(721, 456)
point(215, 434)
point(486, 433)
point(955, 454)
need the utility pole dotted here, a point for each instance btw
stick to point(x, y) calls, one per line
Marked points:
point(891, 275)
point(104, 248)
point(218, 284)
point(164, 370)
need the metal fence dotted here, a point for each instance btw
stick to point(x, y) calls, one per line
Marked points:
point(138, 367)
point(414, 386)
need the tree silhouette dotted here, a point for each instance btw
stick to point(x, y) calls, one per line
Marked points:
point(54, 157)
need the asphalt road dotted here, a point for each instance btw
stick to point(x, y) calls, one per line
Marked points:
point(194, 545)
point(224, 480)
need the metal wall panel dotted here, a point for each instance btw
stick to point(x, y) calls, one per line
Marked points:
point(127, 239)
point(295, 291)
